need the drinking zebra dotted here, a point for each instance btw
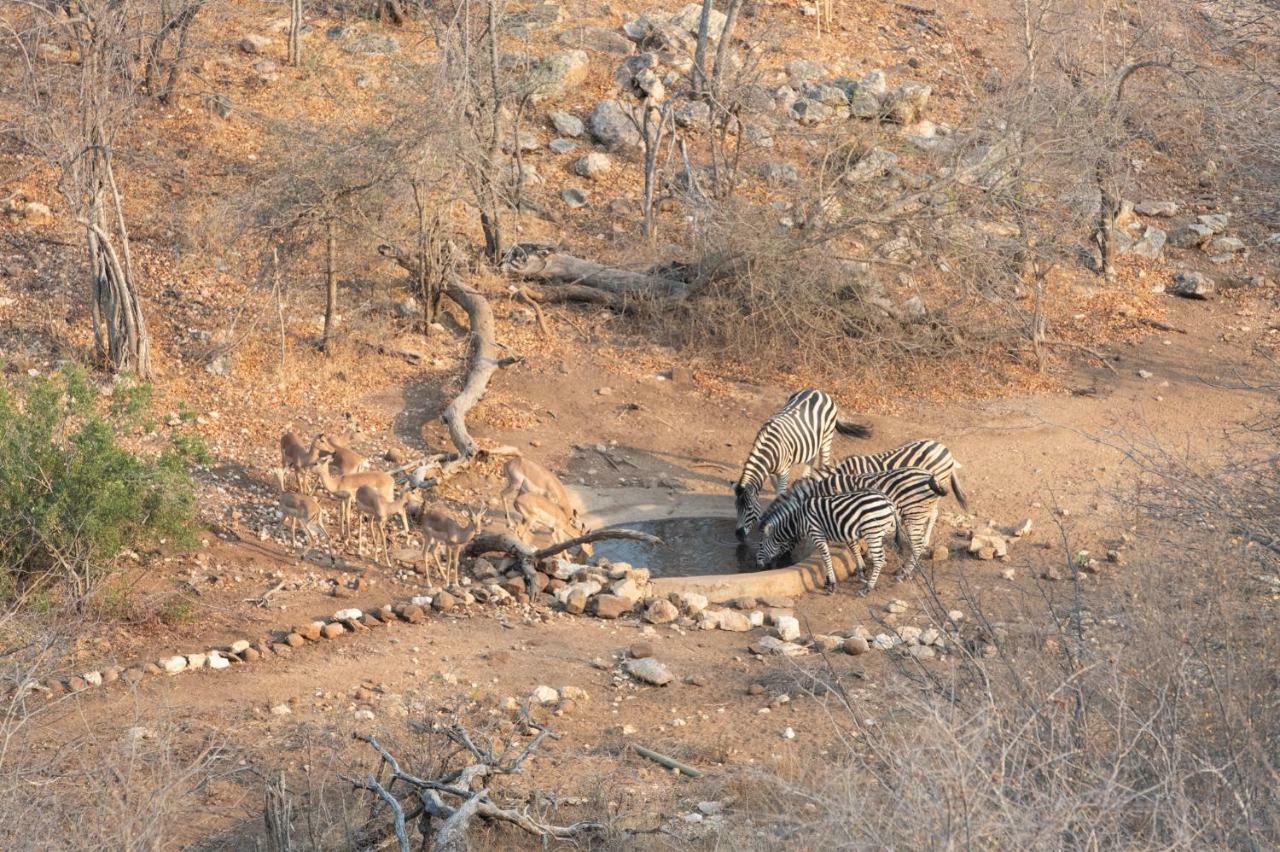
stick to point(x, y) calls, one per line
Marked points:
point(913, 491)
point(798, 433)
point(839, 518)
point(924, 454)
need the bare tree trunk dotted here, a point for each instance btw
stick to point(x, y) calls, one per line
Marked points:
point(652, 134)
point(491, 219)
point(331, 284)
point(1107, 209)
point(722, 47)
point(700, 53)
point(295, 32)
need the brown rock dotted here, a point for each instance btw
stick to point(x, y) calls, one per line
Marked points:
point(522, 598)
point(132, 676)
point(111, 674)
point(56, 687)
point(755, 689)
point(151, 669)
point(250, 655)
point(941, 553)
point(554, 585)
point(362, 694)
point(341, 591)
point(293, 640)
point(444, 602)
point(567, 706)
point(280, 649)
point(610, 606)
point(369, 620)
point(856, 646)
point(311, 631)
point(332, 630)
point(640, 650)
point(778, 602)
point(576, 602)
point(514, 587)
point(411, 613)
point(355, 625)
point(746, 603)
point(76, 683)
point(542, 581)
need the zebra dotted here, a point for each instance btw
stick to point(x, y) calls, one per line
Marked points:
point(925, 454)
point(914, 492)
point(842, 518)
point(798, 433)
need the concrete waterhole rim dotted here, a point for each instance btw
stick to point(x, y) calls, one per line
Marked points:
point(618, 507)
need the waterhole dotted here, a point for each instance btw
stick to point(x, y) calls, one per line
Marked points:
point(691, 547)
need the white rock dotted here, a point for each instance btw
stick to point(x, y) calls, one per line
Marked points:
point(787, 628)
point(756, 618)
point(930, 636)
point(896, 606)
point(240, 646)
point(544, 695)
point(649, 670)
point(573, 693)
point(92, 678)
point(281, 710)
point(217, 661)
point(909, 633)
point(710, 808)
point(956, 615)
point(789, 734)
point(883, 641)
point(364, 713)
point(347, 614)
point(693, 603)
point(173, 665)
point(196, 661)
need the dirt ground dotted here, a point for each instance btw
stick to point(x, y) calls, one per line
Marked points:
point(1056, 458)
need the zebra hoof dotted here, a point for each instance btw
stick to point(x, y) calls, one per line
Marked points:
point(828, 588)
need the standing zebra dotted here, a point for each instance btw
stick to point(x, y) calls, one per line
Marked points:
point(913, 491)
point(839, 518)
point(798, 433)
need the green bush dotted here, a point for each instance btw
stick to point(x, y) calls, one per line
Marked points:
point(72, 498)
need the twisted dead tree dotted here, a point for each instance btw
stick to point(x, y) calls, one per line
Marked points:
point(528, 557)
point(431, 801)
point(546, 264)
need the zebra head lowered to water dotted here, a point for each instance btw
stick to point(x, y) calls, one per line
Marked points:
point(838, 518)
point(798, 433)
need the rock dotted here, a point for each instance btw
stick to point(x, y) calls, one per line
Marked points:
point(111, 674)
point(859, 632)
point(692, 602)
point(909, 633)
point(733, 621)
point(940, 553)
point(592, 165)
point(661, 611)
point(756, 618)
point(808, 112)
point(827, 643)
point(251, 655)
point(444, 602)
point(1151, 244)
point(1023, 530)
point(294, 640)
point(557, 74)
point(573, 693)
point(1215, 222)
point(173, 665)
point(856, 646)
point(411, 613)
point(1192, 285)
point(373, 44)
point(281, 710)
point(575, 603)
point(348, 614)
point(1190, 236)
point(772, 646)
point(780, 174)
point(596, 39)
point(884, 642)
point(922, 652)
point(805, 70)
point(689, 18)
point(787, 628)
point(332, 630)
point(310, 630)
point(217, 661)
point(743, 603)
point(35, 213)
point(562, 146)
point(1156, 208)
point(1225, 245)
point(694, 114)
point(524, 141)
point(77, 684)
point(132, 675)
point(611, 126)
point(254, 44)
point(627, 588)
point(709, 619)
point(587, 587)
point(648, 670)
point(611, 606)
point(988, 544)
point(544, 695)
point(906, 103)
point(239, 646)
point(566, 124)
point(896, 606)
point(873, 164)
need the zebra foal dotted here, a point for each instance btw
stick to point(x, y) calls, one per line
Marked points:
point(838, 518)
point(798, 433)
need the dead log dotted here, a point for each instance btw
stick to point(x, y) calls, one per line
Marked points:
point(529, 557)
point(548, 292)
point(484, 354)
point(545, 263)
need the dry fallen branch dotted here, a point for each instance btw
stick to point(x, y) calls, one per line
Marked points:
point(414, 800)
point(545, 263)
point(529, 557)
point(669, 762)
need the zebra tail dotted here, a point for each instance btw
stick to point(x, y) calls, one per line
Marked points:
point(937, 487)
point(955, 489)
point(899, 535)
point(855, 430)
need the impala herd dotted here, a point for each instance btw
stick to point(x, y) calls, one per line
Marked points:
point(538, 499)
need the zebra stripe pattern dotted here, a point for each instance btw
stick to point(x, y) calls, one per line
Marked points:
point(838, 518)
point(798, 433)
point(914, 492)
point(924, 454)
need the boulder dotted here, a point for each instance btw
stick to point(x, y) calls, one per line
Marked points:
point(173, 665)
point(1190, 236)
point(611, 606)
point(640, 650)
point(780, 174)
point(627, 588)
point(906, 104)
point(332, 630)
point(787, 628)
point(217, 661)
point(661, 611)
point(254, 44)
point(562, 146)
point(1192, 285)
point(694, 114)
point(856, 646)
point(1151, 244)
point(807, 112)
point(592, 165)
point(689, 18)
point(596, 39)
point(544, 695)
point(732, 621)
point(611, 126)
point(560, 72)
point(988, 544)
point(1225, 245)
point(575, 603)
point(1215, 222)
point(1156, 208)
point(873, 164)
point(767, 646)
point(566, 124)
point(828, 643)
point(692, 602)
point(35, 213)
point(805, 70)
point(444, 602)
point(649, 670)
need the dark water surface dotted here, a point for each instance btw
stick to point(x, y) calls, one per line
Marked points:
point(690, 546)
